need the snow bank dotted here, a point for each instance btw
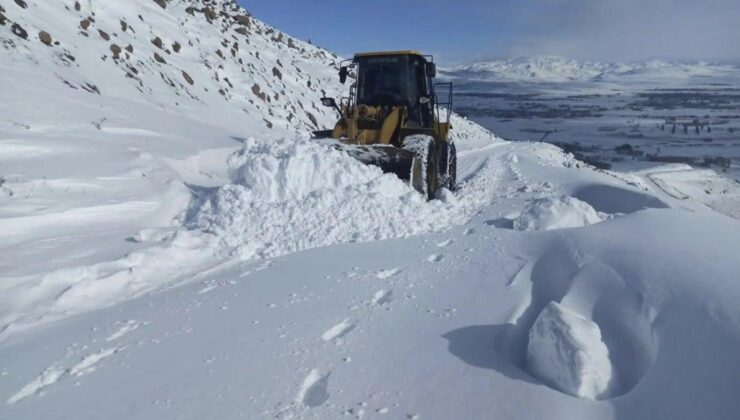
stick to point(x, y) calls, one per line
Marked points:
point(292, 194)
point(556, 213)
point(565, 350)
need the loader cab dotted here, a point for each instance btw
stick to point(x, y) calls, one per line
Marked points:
point(392, 79)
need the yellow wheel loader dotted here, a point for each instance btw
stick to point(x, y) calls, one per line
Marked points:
point(394, 119)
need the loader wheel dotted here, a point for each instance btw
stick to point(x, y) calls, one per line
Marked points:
point(424, 168)
point(448, 166)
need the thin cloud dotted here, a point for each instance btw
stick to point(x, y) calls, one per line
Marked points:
point(630, 30)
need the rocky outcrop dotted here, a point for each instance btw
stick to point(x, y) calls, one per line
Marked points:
point(116, 50)
point(161, 3)
point(19, 31)
point(187, 78)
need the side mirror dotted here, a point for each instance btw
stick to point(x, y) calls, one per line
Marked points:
point(343, 73)
point(431, 70)
point(331, 103)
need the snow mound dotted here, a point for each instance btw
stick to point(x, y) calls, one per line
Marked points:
point(565, 350)
point(556, 213)
point(288, 195)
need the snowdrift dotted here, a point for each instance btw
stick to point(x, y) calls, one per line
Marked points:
point(291, 194)
point(556, 213)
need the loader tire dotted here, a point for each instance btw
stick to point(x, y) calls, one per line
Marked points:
point(425, 166)
point(448, 166)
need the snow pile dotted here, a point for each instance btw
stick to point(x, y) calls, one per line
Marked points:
point(292, 194)
point(565, 350)
point(556, 213)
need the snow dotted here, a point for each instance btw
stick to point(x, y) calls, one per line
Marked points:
point(565, 350)
point(292, 194)
point(165, 253)
point(555, 69)
point(556, 213)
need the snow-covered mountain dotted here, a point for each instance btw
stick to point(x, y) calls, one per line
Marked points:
point(560, 69)
point(172, 245)
point(208, 60)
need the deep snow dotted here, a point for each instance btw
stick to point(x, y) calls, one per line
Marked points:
point(189, 261)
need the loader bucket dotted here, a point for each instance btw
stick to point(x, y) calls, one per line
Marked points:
point(388, 158)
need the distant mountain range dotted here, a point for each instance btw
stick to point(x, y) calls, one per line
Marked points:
point(560, 69)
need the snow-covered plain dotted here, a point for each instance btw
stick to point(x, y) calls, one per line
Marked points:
point(171, 251)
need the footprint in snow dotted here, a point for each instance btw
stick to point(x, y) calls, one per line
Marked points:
point(126, 328)
point(444, 243)
point(384, 274)
point(314, 390)
point(338, 331)
point(382, 297)
point(435, 258)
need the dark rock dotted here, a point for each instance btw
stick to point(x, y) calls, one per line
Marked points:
point(277, 73)
point(159, 58)
point(77, 6)
point(187, 78)
point(3, 19)
point(158, 42)
point(242, 30)
point(116, 50)
point(130, 48)
point(21, 3)
point(161, 3)
point(313, 119)
point(176, 47)
point(190, 10)
point(45, 37)
point(104, 35)
point(258, 92)
point(268, 123)
point(124, 26)
point(210, 14)
point(19, 31)
point(243, 20)
point(85, 23)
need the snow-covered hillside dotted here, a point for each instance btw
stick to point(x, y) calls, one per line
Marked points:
point(107, 154)
point(173, 245)
point(115, 113)
point(560, 69)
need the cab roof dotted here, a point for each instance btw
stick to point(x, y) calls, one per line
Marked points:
point(382, 53)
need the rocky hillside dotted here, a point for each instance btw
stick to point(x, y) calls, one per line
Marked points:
point(208, 59)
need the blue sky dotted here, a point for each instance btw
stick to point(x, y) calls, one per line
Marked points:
point(462, 30)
